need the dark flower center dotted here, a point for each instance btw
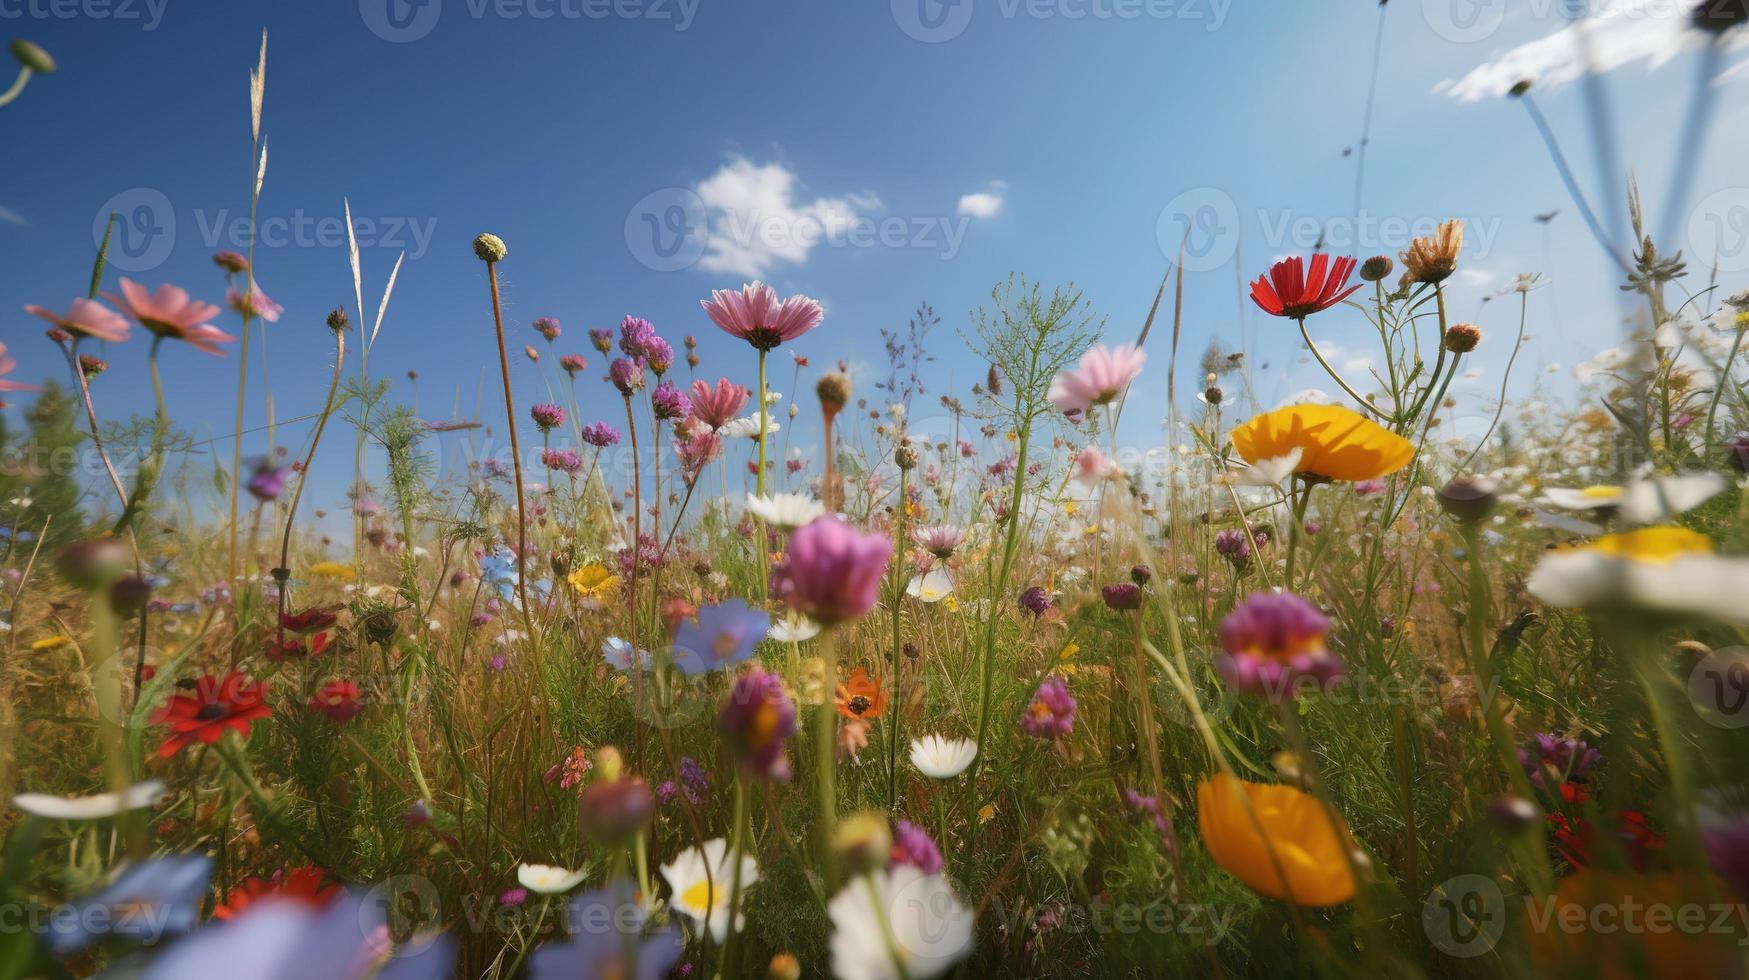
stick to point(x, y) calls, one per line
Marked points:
point(212, 711)
point(859, 704)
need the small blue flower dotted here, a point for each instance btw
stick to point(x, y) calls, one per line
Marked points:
point(723, 635)
point(146, 903)
point(619, 655)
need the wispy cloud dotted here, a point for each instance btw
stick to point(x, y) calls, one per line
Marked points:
point(983, 204)
point(1622, 33)
point(11, 217)
point(757, 219)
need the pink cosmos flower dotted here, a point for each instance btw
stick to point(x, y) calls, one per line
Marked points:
point(253, 303)
point(86, 318)
point(170, 313)
point(1103, 374)
point(718, 406)
point(833, 572)
point(8, 364)
point(757, 316)
point(1092, 466)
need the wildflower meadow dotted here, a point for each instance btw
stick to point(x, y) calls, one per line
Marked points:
point(706, 644)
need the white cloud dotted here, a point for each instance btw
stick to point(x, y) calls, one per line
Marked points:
point(756, 220)
point(11, 217)
point(980, 205)
point(1622, 33)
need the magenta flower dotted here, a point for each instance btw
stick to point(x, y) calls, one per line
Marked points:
point(1103, 374)
point(231, 262)
point(833, 572)
point(1567, 759)
point(720, 405)
point(912, 845)
point(1272, 643)
point(1122, 596)
point(658, 356)
point(86, 318)
point(170, 313)
point(563, 460)
point(267, 482)
point(668, 402)
point(548, 327)
point(1035, 600)
point(757, 720)
point(253, 303)
point(601, 339)
point(635, 335)
point(1052, 711)
point(627, 375)
point(697, 451)
point(755, 315)
point(1231, 545)
point(601, 435)
point(547, 416)
point(573, 364)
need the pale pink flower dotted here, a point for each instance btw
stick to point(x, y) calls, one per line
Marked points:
point(86, 318)
point(718, 406)
point(1092, 467)
point(170, 313)
point(253, 303)
point(1103, 374)
point(8, 364)
point(757, 316)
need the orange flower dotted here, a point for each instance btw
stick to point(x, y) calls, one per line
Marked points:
point(1608, 925)
point(1299, 856)
point(861, 696)
point(1334, 443)
point(305, 885)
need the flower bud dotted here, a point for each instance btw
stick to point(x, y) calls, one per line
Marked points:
point(91, 366)
point(1122, 596)
point(1513, 814)
point(1519, 88)
point(129, 594)
point(490, 248)
point(338, 321)
point(94, 564)
point(1468, 499)
point(863, 842)
point(1461, 338)
point(1141, 574)
point(1376, 268)
point(784, 966)
point(612, 811)
point(905, 456)
point(833, 389)
point(33, 57)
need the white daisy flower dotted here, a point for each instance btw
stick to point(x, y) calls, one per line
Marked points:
point(1641, 501)
point(748, 428)
point(939, 757)
point(932, 586)
point(1667, 568)
point(1587, 498)
point(930, 929)
point(95, 807)
point(785, 510)
point(705, 898)
point(548, 880)
point(793, 628)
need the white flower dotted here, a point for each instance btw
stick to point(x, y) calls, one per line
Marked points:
point(94, 807)
point(1589, 498)
point(748, 428)
point(785, 510)
point(793, 628)
point(932, 586)
point(942, 758)
point(705, 898)
point(1667, 568)
point(930, 929)
point(1659, 499)
point(548, 880)
point(1268, 472)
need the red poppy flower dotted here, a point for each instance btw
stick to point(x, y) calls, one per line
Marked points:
point(312, 620)
point(307, 886)
point(338, 700)
point(1293, 291)
point(216, 706)
point(296, 648)
point(861, 696)
point(1576, 839)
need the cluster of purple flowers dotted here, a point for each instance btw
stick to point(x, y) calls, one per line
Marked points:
point(669, 402)
point(1568, 759)
point(1052, 711)
point(1233, 545)
point(1274, 642)
point(563, 460)
point(547, 416)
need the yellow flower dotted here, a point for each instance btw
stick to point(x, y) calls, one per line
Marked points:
point(1306, 845)
point(594, 582)
point(986, 813)
point(1011, 436)
point(1333, 442)
point(334, 570)
point(1066, 659)
point(50, 643)
point(951, 603)
point(1071, 508)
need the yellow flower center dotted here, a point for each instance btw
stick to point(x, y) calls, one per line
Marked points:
point(1600, 493)
point(1656, 545)
point(700, 895)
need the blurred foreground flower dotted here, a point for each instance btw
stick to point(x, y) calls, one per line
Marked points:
point(1669, 569)
point(700, 880)
point(1334, 443)
point(899, 923)
point(1298, 840)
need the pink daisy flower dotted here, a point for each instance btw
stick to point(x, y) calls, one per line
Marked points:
point(86, 318)
point(253, 303)
point(170, 313)
point(718, 406)
point(1103, 374)
point(757, 316)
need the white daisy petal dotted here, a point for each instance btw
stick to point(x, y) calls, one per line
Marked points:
point(546, 879)
point(95, 807)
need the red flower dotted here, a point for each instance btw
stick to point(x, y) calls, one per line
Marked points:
point(296, 649)
point(312, 620)
point(1292, 291)
point(217, 705)
point(1576, 838)
point(338, 700)
point(305, 885)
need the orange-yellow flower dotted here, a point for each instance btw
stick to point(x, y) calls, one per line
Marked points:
point(1609, 925)
point(1306, 844)
point(861, 696)
point(1333, 442)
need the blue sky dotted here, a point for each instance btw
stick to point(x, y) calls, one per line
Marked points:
point(1056, 138)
